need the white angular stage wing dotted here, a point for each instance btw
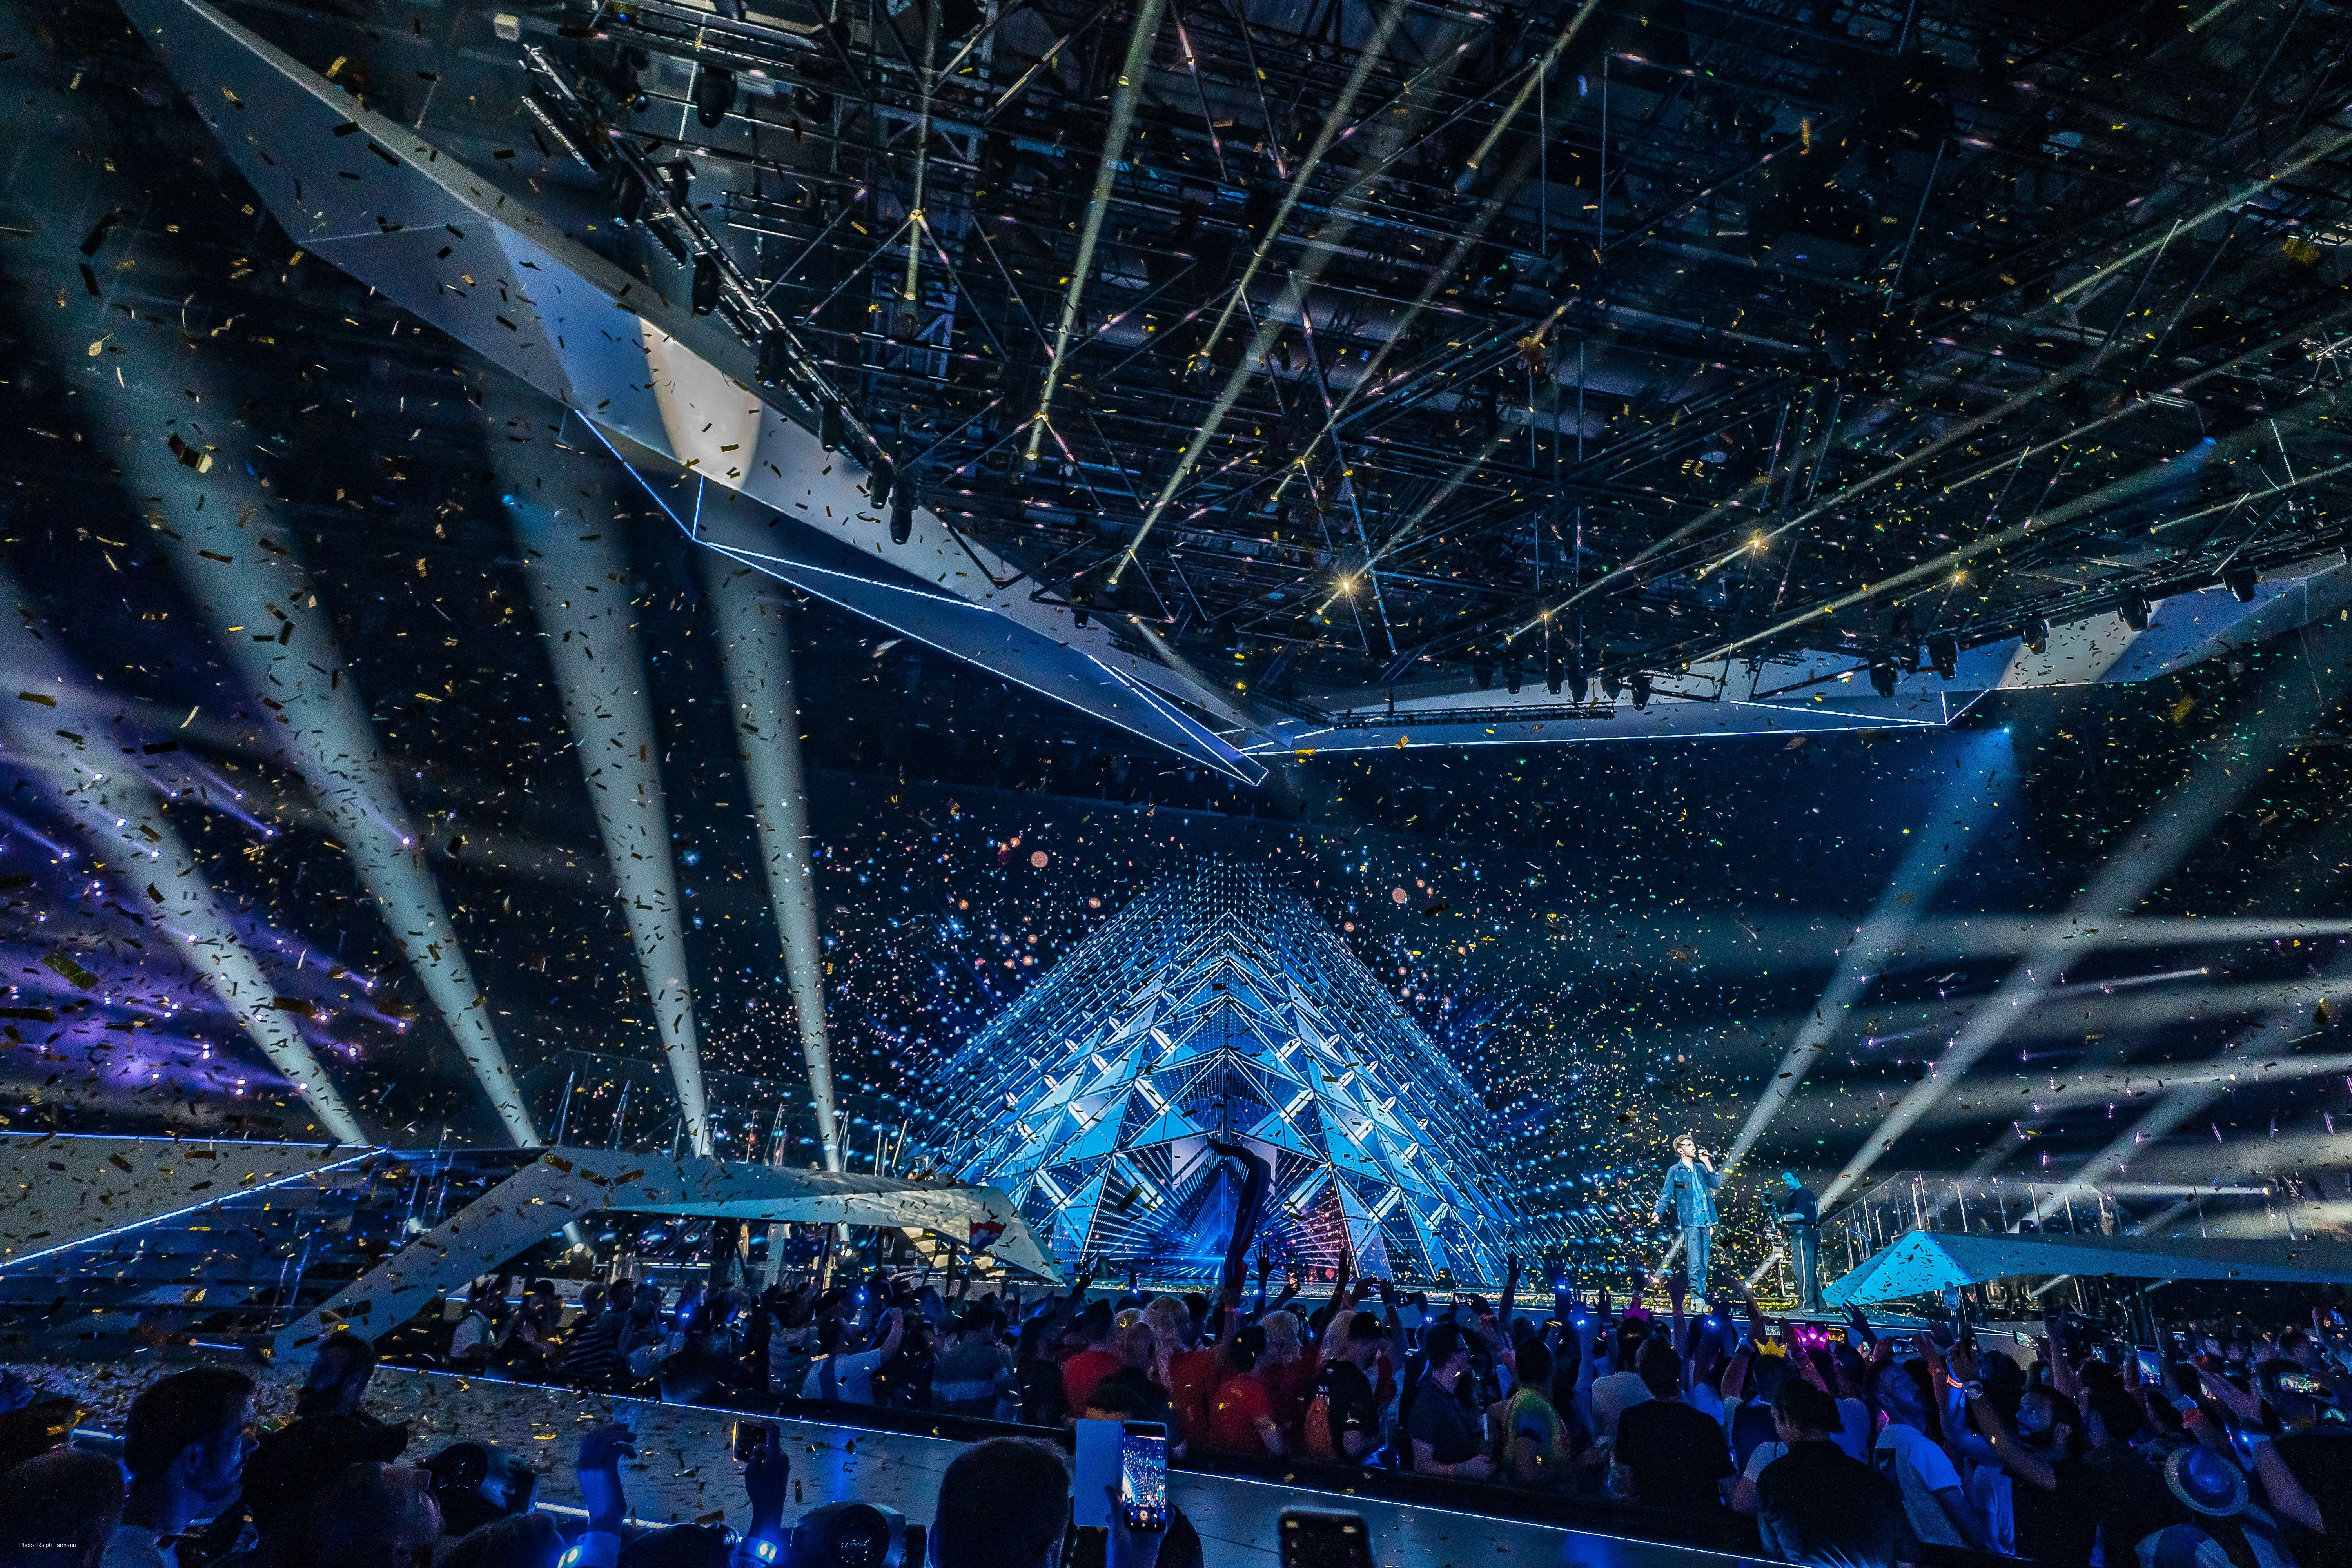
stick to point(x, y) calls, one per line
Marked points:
point(566, 1185)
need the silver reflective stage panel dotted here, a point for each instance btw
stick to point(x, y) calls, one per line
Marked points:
point(1218, 1008)
point(671, 393)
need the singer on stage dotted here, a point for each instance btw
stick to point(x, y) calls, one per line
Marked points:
point(1689, 1190)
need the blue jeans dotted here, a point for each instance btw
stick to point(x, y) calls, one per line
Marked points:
point(1804, 1246)
point(1698, 1246)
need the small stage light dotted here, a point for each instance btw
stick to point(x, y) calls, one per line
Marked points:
point(714, 95)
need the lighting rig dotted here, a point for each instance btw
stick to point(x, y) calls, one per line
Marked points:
point(1549, 343)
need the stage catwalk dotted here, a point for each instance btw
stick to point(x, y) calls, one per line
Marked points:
point(688, 1474)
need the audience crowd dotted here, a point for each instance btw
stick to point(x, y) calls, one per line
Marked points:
point(1843, 1445)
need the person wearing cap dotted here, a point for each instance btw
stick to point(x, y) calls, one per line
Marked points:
point(1442, 1429)
point(2305, 1479)
point(2226, 1528)
point(1345, 1403)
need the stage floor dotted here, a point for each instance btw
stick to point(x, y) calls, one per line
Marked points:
point(686, 1472)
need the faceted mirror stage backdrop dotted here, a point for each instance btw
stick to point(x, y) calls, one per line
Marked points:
point(1215, 1007)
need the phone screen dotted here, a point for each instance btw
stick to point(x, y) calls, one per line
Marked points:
point(2151, 1366)
point(1316, 1540)
point(1143, 1475)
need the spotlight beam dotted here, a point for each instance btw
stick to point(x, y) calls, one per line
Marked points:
point(2143, 1086)
point(1967, 804)
point(2163, 839)
point(1292, 302)
point(756, 646)
point(2277, 1034)
point(579, 586)
point(118, 808)
point(243, 566)
point(2306, 411)
point(1114, 154)
point(1940, 939)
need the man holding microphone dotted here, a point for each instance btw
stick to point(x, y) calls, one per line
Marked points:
point(1689, 1190)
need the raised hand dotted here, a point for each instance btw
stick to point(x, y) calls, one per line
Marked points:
point(1130, 1547)
point(599, 1472)
point(767, 1476)
point(2242, 1406)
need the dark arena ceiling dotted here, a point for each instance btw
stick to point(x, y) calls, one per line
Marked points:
point(1308, 362)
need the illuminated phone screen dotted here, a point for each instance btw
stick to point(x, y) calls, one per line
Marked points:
point(1143, 1475)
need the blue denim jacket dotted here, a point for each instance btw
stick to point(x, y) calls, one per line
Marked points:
point(1693, 1200)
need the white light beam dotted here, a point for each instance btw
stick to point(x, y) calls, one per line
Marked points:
point(115, 805)
point(756, 645)
point(243, 566)
point(2183, 816)
point(1968, 804)
point(580, 584)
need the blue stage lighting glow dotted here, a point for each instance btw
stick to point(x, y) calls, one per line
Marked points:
point(1217, 1006)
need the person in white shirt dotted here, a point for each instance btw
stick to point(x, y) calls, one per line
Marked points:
point(185, 1442)
point(1907, 1454)
point(848, 1375)
point(1741, 1495)
point(1615, 1390)
point(476, 1337)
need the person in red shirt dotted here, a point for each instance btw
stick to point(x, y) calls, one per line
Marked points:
point(1241, 1417)
point(1188, 1371)
point(1097, 1327)
point(1288, 1369)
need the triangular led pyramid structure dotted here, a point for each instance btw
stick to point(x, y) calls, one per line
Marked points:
point(1216, 1006)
